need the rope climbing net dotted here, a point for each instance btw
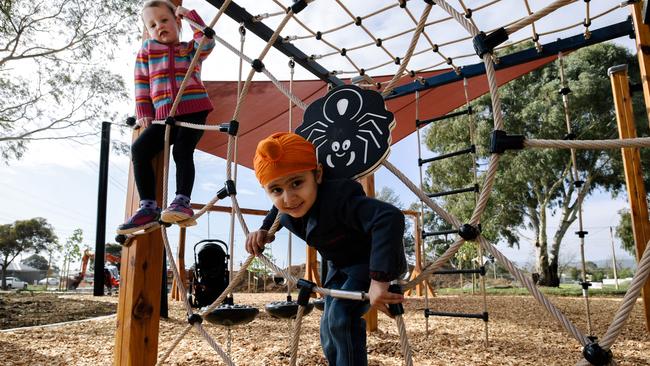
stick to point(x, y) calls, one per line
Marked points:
point(486, 43)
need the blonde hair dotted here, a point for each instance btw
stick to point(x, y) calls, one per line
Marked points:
point(160, 4)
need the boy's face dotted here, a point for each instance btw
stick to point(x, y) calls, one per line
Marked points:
point(161, 24)
point(294, 194)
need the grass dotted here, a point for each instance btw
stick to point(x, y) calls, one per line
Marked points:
point(563, 290)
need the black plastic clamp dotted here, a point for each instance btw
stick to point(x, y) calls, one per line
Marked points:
point(397, 61)
point(585, 285)
point(319, 35)
point(482, 271)
point(362, 72)
point(565, 90)
point(402, 4)
point(194, 318)
point(596, 355)
point(500, 141)
point(231, 127)
point(435, 48)
point(120, 238)
point(257, 65)
point(582, 233)
point(579, 183)
point(343, 51)
point(170, 121)
point(426, 313)
point(242, 30)
point(485, 43)
point(586, 23)
point(450, 61)
point(298, 6)
point(570, 136)
point(430, 2)
point(358, 21)
point(292, 64)
point(208, 32)
point(468, 13)
point(468, 232)
point(130, 121)
point(229, 189)
point(412, 73)
point(378, 42)
point(395, 309)
point(535, 37)
point(306, 289)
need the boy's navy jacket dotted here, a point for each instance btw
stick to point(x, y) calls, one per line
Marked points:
point(347, 227)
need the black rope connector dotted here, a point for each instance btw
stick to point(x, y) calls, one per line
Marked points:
point(482, 271)
point(358, 21)
point(194, 318)
point(229, 189)
point(426, 313)
point(208, 32)
point(378, 42)
point(292, 64)
point(319, 35)
point(257, 65)
point(402, 4)
point(435, 48)
point(579, 183)
point(468, 232)
point(412, 73)
point(430, 2)
point(378, 86)
point(362, 72)
point(397, 61)
point(585, 285)
point(570, 136)
point(170, 121)
point(130, 121)
point(485, 43)
point(565, 91)
point(343, 51)
point(231, 127)
point(306, 289)
point(468, 13)
point(581, 234)
point(298, 6)
point(242, 30)
point(395, 309)
point(450, 60)
point(120, 238)
point(596, 355)
point(535, 37)
point(485, 316)
point(500, 141)
point(586, 23)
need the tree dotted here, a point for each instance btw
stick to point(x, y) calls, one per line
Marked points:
point(388, 195)
point(71, 251)
point(114, 249)
point(523, 197)
point(54, 79)
point(21, 236)
point(624, 231)
point(36, 261)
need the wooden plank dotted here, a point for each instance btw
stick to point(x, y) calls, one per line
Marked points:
point(642, 32)
point(633, 175)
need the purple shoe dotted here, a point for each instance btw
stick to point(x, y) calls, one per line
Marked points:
point(142, 219)
point(176, 212)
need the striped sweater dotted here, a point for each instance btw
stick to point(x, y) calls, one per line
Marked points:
point(159, 72)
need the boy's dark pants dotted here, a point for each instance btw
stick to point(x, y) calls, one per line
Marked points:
point(342, 328)
point(152, 141)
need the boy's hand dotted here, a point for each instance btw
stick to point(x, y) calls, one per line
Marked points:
point(181, 12)
point(256, 241)
point(145, 122)
point(380, 297)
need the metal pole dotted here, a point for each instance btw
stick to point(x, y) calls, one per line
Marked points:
point(100, 232)
point(611, 235)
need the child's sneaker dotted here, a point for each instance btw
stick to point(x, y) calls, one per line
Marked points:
point(142, 219)
point(176, 212)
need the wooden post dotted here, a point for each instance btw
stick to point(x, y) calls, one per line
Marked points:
point(311, 266)
point(368, 183)
point(633, 175)
point(180, 260)
point(642, 36)
point(421, 287)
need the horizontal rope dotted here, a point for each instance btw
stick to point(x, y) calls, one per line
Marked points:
point(588, 144)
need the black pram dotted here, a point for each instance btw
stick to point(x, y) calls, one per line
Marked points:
point(209, 275)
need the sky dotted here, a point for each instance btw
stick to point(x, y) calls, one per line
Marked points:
point(57, 180)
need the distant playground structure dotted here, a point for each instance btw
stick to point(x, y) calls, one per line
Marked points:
point(136, 340)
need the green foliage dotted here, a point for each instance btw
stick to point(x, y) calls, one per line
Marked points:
point(23, 236)
point(54, 79)
point(36, 261)
point(114, 249)
point(624, 231)
point(533, 184)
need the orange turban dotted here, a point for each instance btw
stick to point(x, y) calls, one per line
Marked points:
point(281, 154)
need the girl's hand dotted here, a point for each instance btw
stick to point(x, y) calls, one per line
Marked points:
point(256, 241)
point(380, 297)
point(181, 12)
point(145, 122)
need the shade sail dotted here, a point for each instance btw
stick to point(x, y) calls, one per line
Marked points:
point(266, 110)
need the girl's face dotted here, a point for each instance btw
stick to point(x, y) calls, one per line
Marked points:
point(161, 24)
point(294, 194)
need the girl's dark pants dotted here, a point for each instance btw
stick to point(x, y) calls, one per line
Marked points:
point(152, 141)
point(342, 328)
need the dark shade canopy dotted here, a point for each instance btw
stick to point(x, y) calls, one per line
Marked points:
point(266, 109)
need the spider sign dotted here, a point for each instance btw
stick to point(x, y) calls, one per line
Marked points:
point(351, 130)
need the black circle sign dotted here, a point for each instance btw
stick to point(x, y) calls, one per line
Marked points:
point(351, 130)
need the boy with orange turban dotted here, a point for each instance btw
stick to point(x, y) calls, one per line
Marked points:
point(360, 238)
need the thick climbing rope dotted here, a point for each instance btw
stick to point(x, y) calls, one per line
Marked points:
point(580, 188)
point(588, 144)
point(538, 15)
point(295, 338)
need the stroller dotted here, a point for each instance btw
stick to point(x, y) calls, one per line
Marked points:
point(209, 276)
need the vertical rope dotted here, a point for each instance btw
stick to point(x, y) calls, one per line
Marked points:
point(404, 343)
point(295, 340)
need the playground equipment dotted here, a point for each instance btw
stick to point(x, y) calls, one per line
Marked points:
point(127, 343)
point(75, 281)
